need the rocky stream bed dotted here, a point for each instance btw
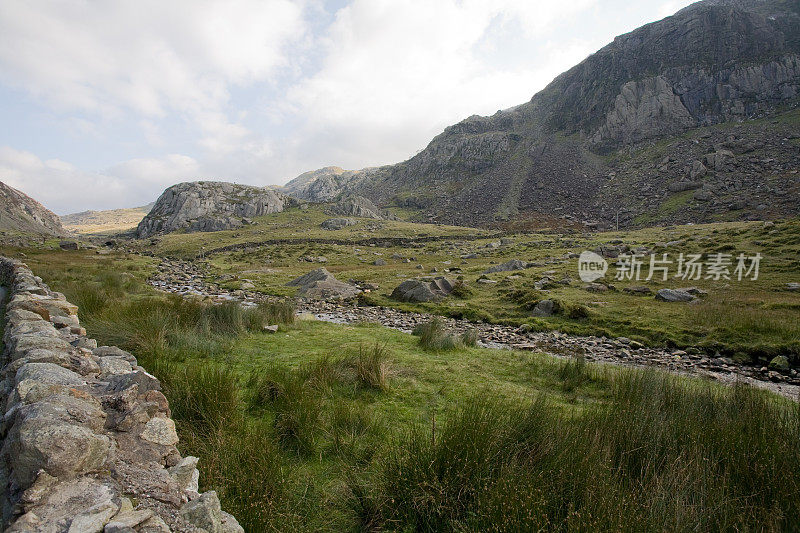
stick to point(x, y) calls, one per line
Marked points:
point(185, 278)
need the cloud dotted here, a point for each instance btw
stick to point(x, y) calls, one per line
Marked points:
point(258, 91)
point(396, 73)
point(61, 187)
point(148, 58)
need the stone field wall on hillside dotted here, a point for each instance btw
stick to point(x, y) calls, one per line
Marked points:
point(88, 444)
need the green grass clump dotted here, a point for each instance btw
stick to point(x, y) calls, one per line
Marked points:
point(433, 336)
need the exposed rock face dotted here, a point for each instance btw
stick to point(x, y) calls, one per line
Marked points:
point(715, 61)
point(209, 206)
point(355, 206)
point(320, 284)
point(84, 426)
point(19, 213)
point(415, 290)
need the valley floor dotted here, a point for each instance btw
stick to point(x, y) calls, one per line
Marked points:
point(346, 427)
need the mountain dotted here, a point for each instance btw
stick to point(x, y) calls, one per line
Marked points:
point(691, 118)
point(110, 220)
point(19, 213)
point(209, 206)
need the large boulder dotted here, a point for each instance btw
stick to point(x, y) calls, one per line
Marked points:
point(209, 206)
point(415, 290)
point(320, 284)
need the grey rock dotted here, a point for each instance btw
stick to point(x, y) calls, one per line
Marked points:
point(415, 290)
point(204, 512)
point(209, 206)
point(93, 520)
point(509, 266)
point(674, 295)
point(126, 521)
point(183, 473)
point(338, 223)
point(544, 308)
point(356, 206)
point(61, 449)
point(160, 430)
point(321, 284)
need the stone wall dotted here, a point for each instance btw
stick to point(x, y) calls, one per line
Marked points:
point(88, 444)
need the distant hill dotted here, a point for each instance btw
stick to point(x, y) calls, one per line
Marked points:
point(693, 118)
point(107, 221)
point(19, 213)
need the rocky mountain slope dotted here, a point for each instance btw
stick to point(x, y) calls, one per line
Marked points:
point(19, 213)
point(209, 206)
point(691, 118)
point(111, 220)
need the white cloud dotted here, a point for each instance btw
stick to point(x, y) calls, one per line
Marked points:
point(148, 57)
point(395, 73)
point(61, 187)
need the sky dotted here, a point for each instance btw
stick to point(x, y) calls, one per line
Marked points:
point(104, 104)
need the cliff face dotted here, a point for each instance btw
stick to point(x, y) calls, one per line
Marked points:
point(19, 213)
point(209, 206)
point(708, 73)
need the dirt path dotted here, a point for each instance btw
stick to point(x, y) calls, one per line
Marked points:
point(184, 278)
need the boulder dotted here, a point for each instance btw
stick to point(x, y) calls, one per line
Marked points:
point(338, 223)
point(509, 266)
point(544, 308)
point(415, 290)
point(321, 284)
point(674, 295)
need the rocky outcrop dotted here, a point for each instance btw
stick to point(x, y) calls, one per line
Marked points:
point(209, 206)
point(19, 213)
point(88, 444)
point(355, 206)
point(320, 284)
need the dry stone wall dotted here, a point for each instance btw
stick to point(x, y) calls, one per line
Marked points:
point(88, 444)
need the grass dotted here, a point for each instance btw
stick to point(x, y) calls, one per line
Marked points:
point(658, 457)
point(433, 336)
point(325, 427)
point(510, 300)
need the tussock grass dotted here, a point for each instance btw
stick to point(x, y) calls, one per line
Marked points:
point(433, 336)
point(660, 456)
